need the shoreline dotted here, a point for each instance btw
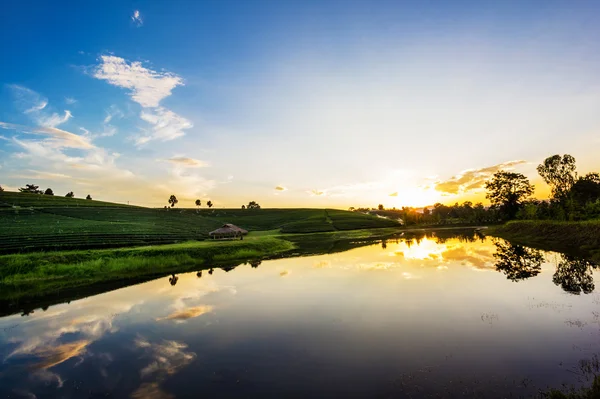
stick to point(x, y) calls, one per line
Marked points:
point(577, 238)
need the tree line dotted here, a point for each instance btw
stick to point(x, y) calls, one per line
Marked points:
point(572, 198)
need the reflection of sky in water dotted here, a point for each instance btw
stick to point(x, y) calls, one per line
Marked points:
point(370, 321)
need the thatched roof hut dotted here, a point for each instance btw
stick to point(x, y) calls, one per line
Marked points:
point(228, 231)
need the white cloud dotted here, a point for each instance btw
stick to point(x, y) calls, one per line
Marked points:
point(70, 100)
point(147, 87)
point(137, 18)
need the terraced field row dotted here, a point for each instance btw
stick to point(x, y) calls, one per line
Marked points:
point(41, 222)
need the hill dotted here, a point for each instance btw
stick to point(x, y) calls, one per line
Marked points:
point(32, 222)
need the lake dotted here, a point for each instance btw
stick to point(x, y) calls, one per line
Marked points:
point(426, 316)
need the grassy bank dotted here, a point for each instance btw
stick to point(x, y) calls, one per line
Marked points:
point(571, 237)
point(35, 273)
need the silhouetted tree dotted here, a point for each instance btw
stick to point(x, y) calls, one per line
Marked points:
point(198, 203)
point(574, 275)
point(253, 205)
point(255, 263)
point(380, 207)
point(559, 173)
point(586, 189)
point(517, 262)
point(48, 191)
point(89, 197)
point(173, 200)
point(243, 206)
point(209, 204)
point(1, 189)
point(30, 188)
point(70, 194)
point(173, 279)
point(199, 274)
point(507, 191)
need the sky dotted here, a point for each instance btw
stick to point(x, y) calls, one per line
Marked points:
point(294, 103)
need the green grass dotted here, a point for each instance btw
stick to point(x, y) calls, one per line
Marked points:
point(570, 237)
point(32, 222)
point(85, 267)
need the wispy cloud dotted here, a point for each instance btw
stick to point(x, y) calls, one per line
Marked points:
point(36, 174)
point(394, 194)
point(147, 88)
point(316, 192)
point(188, 162)
point(280, 188)
point(56, 137)
point(472, 179)
point(34, 105)
point(167, 125)
point(54, 119)
point(136, 18)
point(70, 100)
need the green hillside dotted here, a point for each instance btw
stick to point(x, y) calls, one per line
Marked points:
point(31, 222)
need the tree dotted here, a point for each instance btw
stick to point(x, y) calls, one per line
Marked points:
point(253, 205)
point(586, 189)
point(89, 197)
point(559, 173)
point(243, 206)
point(507, 191)
point(198, 203)
point(70, 194)
point(380, 207)
point(173, 200)
point(209, 204)
point(1, 189)
point(48, 191)
point(31, 188)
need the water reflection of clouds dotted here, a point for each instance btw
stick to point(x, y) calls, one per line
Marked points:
point(165, 358)
point(189, 313)
point(49, 339)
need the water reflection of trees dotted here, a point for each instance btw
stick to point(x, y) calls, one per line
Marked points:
point(574, 275)
point(517, 262)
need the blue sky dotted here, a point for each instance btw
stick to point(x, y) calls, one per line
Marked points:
point(294, 103)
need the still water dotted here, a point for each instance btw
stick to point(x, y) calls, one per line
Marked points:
point(427, 317)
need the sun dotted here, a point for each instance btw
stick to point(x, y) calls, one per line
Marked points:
point(413, 197)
